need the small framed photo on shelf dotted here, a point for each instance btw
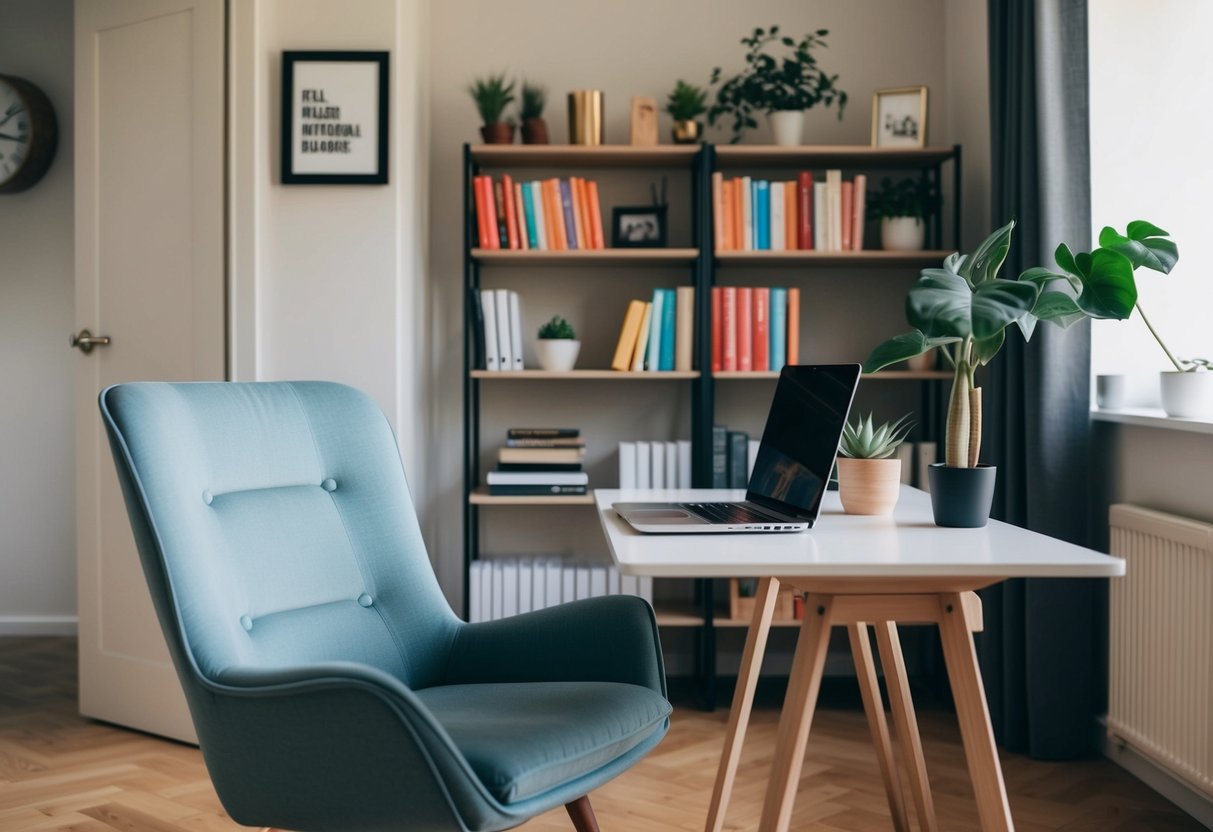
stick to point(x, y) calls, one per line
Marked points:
point(899, 117)
point(641, 226)
point(334, 118)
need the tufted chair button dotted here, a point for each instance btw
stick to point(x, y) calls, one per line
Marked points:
point(329, 484)
point(207, 497)
point(246, 623)
point(364, 600)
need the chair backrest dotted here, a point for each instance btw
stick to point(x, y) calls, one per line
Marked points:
point(276, 528)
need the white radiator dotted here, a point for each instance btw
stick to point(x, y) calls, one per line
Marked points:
point(1160, 695)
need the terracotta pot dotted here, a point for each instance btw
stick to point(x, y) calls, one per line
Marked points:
point(499, 133)
point(534, 131)
point(922, 363)
point(869, 486)
point(686, 131)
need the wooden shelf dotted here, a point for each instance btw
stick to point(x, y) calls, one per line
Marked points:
point(837, 156)
point(482, 497)
point(585, 375)
point(676, 615)
point(832, 258)
point(883, 375)
point(745, 622)
point(573, 155)
point(588, 257)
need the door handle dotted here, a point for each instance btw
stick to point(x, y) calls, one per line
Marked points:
point(85, 341)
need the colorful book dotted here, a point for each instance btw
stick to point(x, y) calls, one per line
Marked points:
point(761, 335)
point(762, 219)
point(846, 215)
point(739, 240)
point(503, 234)
point(728, 327)
point(652, 360)
point(793, 327)
point(490, 210)
point(524, 240)
point(528, 211)
point(684, 348)
point(861, 207)
point(641, 348)
point(834, 208)
point(578, 211)
point(779, 322)
point(747, 213)
point(789, 215)
point(804, 210)
point(668, 321)
point(596, 216)
point(726, 224)
point(554, 214)
point(570, 221)
point(745, 328)
point(482, 227)
point(717, 336)
point(511, 219)
point(627, 336)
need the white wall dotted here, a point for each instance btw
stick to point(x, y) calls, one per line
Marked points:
point(37, 493)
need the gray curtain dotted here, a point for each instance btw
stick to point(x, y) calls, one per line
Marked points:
point(1039, 652)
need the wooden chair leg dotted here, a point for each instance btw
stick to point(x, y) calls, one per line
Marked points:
point(869, 689)
point(905, 722)
point(582, 814)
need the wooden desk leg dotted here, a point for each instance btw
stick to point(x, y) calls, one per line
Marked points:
point(803, 687)
point(974, 715)
point(905, 722)
point(873, 705)
point(743, 700)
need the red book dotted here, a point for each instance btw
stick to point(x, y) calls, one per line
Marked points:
point(728, 327)
point(595, 213)
point(745, 328)
point(804, 209)
point(717, 338)
point(554, 214)
point(793, 325)
point(490, 212)
point(848, 214)
point(511, 221)
point(762, 329)
point(482, 228)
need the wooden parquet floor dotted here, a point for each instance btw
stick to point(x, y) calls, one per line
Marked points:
point(61, 772)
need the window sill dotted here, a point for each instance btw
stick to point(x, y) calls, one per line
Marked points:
point(1149, 417)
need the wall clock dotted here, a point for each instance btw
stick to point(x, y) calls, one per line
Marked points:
point(28, 134)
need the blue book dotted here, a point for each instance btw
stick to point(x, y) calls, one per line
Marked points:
point(762, 215)
point(653, 359)
point(779, 328)
point(570, 224)
point(668, 307)
point(528, 208)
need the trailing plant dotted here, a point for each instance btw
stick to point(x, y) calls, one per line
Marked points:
point(864, 441)
point(904, 198)
point(768, 83)
point(687, 102)
point(534, 99)
point(491, 95)
point(557, 328)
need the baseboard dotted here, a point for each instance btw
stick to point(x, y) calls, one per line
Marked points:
point(37, 625)
point(1160, 780)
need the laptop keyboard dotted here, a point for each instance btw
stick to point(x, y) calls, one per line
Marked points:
point(727, 513)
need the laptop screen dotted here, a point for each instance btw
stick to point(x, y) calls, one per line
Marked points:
point(801, 438)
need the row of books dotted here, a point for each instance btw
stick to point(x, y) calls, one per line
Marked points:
point(755, 328)
point(801, 214)
point(547, 215)
point(655, 464)
point(500, 588)
point(659, 334)
point(539, 462)
point(497, 329)
point(733, 456)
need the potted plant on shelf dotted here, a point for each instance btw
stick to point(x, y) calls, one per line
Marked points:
point(784, 88)
point(685, 105)
point(492, 95)
point(902, 208)
point(869, 476)
point(558, 345)
point(534, 99)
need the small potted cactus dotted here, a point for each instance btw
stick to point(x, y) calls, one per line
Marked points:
point(530, 111)
point(869, 476)
point(685, 105)
point(558, 346)
point(492, 95)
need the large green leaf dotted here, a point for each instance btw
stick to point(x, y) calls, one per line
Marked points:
point(942, 305)
point(901, 347)
point(1065, 259)
point(984, 263)
point(1145, 245)
point(985, 349)
point(1108, 288)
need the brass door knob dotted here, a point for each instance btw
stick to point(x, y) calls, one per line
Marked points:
point(85, 341)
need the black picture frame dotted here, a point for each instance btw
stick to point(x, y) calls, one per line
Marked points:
point(626, 238)
point(289, 176)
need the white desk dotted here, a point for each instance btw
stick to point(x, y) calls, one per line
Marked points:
point(859, 571)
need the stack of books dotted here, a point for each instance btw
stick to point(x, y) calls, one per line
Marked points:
point(755, 329)
point(496, 329)
point(500, 588)
point(658, 334)
point(655, 464)
point(540, 462)
point(801, 214)
point(733, 456)
point(548, 215)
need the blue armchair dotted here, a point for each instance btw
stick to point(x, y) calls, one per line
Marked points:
point(331, 686)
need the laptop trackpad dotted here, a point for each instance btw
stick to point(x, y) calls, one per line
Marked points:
point(662, 515)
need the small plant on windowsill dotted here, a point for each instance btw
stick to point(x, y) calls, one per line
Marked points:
point(902, 208)
point(558, 346)
point(685, 105)
point(492, 95)
point(869, 475)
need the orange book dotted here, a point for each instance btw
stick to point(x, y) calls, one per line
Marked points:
point(739, 214)
point(745, 333)
point(507, 204)
point(482, 233)
point(578, 219)
point(718, 211)
point(793, 325)
point(725, 242)
point(490, 213)
point(587, 216)
point(520, 217)
point(628, 333)
point(847, 202)
point(861, 204)
point(555, 214)
point(789, 214)
point(595, 214)
point(717, 339)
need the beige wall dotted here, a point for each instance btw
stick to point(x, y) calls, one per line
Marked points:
point(37, 495)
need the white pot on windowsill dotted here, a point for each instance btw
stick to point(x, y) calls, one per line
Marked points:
point(1187, 395)
point(557, 355)
point(902, 233)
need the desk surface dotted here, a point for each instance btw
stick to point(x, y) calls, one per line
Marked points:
point(906, 545)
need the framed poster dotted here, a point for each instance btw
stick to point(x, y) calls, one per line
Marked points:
point(899, 117)
point(334, 118)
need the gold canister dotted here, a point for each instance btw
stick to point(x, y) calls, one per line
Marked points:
point(585, 117)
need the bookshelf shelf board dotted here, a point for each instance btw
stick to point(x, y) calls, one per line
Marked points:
point(585, 375)
point(482, 497)
point(588, 257)
point(573, 155)
point(676, 615)
point(836, 156)
point(745, 622)
point(832, 258)
point(883, 375)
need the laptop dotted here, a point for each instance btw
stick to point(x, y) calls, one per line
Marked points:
point(792, 470)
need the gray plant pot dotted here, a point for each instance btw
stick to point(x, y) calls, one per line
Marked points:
point(961, 497)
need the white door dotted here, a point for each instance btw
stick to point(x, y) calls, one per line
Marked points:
point(149, 276)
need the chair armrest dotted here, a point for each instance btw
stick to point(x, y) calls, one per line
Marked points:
point(611, 639)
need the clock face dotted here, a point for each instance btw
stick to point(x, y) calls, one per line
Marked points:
point(28, 134)
point(14, 131)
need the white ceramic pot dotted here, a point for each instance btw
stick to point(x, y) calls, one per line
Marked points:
point(1187, 395)
point(1110, 391)
point(902, 233)
point(787, 126)
point(557, 355)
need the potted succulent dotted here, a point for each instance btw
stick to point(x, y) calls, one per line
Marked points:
point(783, 88)
point(685, 105)
point(558, 345)
point(492, 95)
point(902, 208)
point(869, 476)
point(534, 99)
